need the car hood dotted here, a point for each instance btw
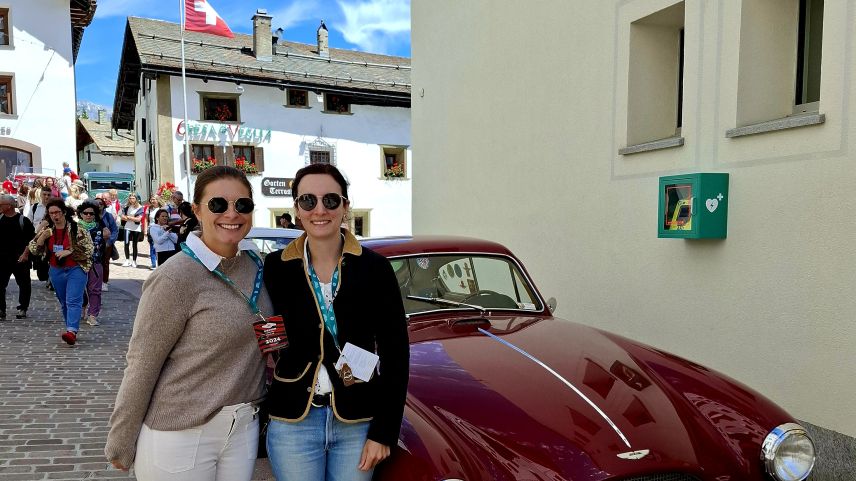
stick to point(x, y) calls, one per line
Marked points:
point(532, 398)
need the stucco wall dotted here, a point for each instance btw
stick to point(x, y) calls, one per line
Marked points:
point(41, 61)
point(530, 105)
point(357, 139)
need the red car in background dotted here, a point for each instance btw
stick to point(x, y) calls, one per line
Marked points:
point(501, 390)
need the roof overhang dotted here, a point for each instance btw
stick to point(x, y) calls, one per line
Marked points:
point(82, 13)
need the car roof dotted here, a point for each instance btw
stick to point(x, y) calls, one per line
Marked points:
point(428, 244)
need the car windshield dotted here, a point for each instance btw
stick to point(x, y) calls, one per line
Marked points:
point(429, 282)
point(266, 246)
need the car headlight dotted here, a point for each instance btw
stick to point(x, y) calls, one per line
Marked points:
point(788, 453)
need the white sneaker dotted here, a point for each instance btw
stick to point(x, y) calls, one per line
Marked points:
point(133, 263)
point(104, 287)
point(91, 320)
point(126, 264)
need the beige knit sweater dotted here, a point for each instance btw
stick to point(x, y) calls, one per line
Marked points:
point(192, 351)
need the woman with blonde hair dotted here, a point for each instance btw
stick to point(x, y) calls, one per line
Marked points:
point(150, 220)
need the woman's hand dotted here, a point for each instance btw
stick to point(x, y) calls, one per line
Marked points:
point(373, 453)
point(118, 465)
point(43, 236)
point(63, 254)
point(105, 232)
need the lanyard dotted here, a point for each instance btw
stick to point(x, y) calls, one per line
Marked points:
point(252, 301)
point(326, 311)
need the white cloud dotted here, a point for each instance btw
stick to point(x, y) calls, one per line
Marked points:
point(297, 12)
point(373, 25)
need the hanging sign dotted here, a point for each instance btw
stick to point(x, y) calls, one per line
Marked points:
point(228, 132)
point(276, 187)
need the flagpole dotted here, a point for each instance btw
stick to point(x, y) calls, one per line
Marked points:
point(187, 160)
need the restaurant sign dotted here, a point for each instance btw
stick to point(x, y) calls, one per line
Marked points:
point(276, 186)
point(207, 131)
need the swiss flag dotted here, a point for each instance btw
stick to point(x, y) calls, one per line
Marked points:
point(200, 16)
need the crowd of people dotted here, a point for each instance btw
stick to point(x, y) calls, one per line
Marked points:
point(68, 238)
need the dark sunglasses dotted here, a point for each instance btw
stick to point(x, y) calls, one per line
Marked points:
point(218, 205)
point(331, 201)
point(88, 212)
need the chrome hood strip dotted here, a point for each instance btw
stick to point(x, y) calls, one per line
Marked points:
point(565, 381)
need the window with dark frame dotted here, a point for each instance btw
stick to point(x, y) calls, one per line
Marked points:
point(6, 95)
point(680, 119)
point(319, 157)
point(220, 109)
point(809, 43)
point(297, 98)
point(203, 152)
point(244, 154)
point(335, 103)
point(4, 26)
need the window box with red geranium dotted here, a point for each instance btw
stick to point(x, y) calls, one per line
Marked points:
point(246, 166)
point(393, 162)
point(200, 165)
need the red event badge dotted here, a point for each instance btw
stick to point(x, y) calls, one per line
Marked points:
point(270, 333)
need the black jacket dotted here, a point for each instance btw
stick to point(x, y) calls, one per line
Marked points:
point(369, 314)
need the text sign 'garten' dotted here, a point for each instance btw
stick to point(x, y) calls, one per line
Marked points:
point(227, 132)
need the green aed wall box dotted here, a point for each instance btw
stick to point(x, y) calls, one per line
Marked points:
point(693, 206)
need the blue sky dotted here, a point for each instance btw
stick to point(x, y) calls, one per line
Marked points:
point(380, 26)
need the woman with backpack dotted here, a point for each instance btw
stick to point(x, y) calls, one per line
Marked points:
point(89, 215)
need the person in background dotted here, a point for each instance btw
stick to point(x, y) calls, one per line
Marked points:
point(164, 240)
point(24, 200)
point(110, 221)
point(76, 197)
point(132, 215)
point(70, 255)
point(37, 214)
point(115, 206)
point(334, 295)
point(189, 222)
point(50, 185)
point(187, 406)
point(152, 209)
point(9, 187)
point(285, 221)
point(175, 219)
point(65, 183)
point(16, 232)
point(90, 221)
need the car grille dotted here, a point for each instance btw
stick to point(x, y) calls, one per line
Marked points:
point(662, 477)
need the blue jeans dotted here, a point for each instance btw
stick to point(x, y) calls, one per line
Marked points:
point(153, 256)
point(318, 448)
point(70, 284)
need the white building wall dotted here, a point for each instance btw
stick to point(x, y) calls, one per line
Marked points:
point(532, 104)
point(357, 139)
point(92, 160)
point(40, 58)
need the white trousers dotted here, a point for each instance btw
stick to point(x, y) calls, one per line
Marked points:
point(223, 449)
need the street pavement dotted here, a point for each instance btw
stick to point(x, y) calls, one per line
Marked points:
point(56, 400)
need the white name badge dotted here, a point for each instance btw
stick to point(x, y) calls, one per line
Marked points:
point(361, 362)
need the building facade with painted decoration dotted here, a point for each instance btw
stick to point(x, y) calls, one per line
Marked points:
point(268, 107)
point(39, 42)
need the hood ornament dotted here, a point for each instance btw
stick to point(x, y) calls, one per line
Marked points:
point(634, 454)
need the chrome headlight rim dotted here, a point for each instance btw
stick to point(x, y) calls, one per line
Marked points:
point(774, 440)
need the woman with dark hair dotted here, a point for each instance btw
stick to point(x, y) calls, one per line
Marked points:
point(189, 222)
point(70, 257)
point(187, 406)
point(132, 220)
point(340, 303)
point(89, 219)
point(164, 241)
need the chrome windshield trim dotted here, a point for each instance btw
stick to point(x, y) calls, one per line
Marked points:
point(565, 381)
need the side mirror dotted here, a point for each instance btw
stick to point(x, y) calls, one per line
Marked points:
point(551, 304)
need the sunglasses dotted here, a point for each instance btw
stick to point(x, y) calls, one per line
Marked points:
point(88, 212)
point(330, 201)
point(219, 205)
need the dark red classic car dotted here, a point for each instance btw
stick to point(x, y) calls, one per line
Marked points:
point(502, 390)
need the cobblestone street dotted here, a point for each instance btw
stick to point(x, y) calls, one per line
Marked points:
point(56, 400)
